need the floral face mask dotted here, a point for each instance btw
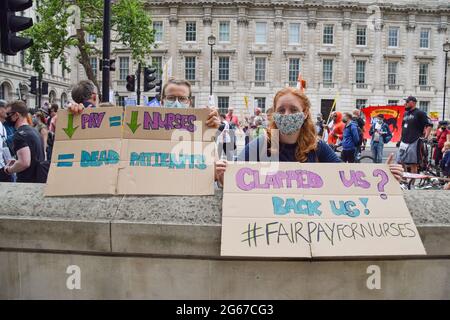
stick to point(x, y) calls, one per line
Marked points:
point(289, 123)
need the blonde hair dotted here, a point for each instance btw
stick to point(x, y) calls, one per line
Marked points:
point(307, 139)
point(446, 146)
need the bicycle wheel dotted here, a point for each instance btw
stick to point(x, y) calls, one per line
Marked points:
point(366, 159)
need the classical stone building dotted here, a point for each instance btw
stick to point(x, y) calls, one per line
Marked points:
point(364, 52)
point(15, 76)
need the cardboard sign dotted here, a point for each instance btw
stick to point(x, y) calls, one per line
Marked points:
point(166, 124)
point(315, 210)
point(96, 154)
point(393, 117)
point(93, 123)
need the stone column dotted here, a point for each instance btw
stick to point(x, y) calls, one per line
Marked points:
point(206, 54)
point(378, 57)
point(410, 40)
point(242, 48)
point(440, 68)
point(310, 76)
point(173, 21)
point(278, 54)
point(346, 25)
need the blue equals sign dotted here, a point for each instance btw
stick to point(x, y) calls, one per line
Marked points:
point(67, 156)
point(115, 121)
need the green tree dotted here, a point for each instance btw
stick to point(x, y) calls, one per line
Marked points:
point(131, 26)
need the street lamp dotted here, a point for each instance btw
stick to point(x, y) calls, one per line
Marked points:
point(446, 48)
point(211, 42)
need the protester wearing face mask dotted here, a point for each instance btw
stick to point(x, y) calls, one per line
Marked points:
point(381, 134)
point(416, 124)
point(298, 141)
point(27, 144)
point(178, 94)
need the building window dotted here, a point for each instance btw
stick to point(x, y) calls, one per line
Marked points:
point(294, 70)
point(124, 67)
point(392, 102)
point(393, 36)
point(3, 91)
point(52, 66)
point(424, 106)
point(261, 103)
point(392, 72)
point(193, 101)
point(91, 38)
point(158, 27)
point(294, 33)
point(361, 36)
point(361, 103)
point(191, 31)
point(224, 68)
point(425, 38)
point(93, 62)
point(223, 103)
point(157, 64)
point(224, 31)
point(327, 71)
point(260, 71)
point(189, 68)
point(423, 74)
point(5, 58)
point(328, 33)
point(261, 32)
point(360, 72)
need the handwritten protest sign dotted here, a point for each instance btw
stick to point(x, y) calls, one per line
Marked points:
point(109, 151)
point(315, 210)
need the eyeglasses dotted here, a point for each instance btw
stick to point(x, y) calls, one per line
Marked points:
point(182, 99)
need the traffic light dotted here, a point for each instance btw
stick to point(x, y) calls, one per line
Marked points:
point(10, 24)
point(33, 85)
point(131, 81)
point(149, 78)
point(44, 88)
point(158, 90)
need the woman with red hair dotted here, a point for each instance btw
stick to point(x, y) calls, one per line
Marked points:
point(297, 140)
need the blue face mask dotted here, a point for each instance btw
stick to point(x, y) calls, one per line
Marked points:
point(175, 104)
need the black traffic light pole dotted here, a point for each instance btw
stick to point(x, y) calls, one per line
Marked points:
point(106, 50)
point(138, 84)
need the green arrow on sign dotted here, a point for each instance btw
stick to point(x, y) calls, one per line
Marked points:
point(70, 130)
point(133, 125)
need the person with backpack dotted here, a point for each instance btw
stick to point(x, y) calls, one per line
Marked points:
point(350, 139)
point(30, 165)
point(297, 141)
point(381, 134)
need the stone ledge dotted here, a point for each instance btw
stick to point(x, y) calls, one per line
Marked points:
point(27, 200)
